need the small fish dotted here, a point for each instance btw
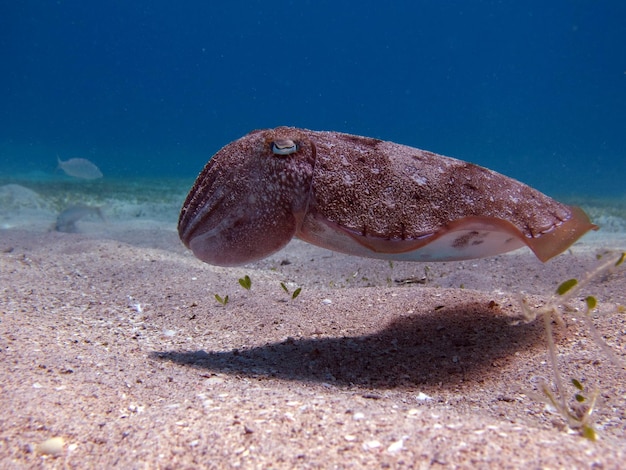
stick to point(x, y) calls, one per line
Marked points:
point(66, 220)
point(80, 168)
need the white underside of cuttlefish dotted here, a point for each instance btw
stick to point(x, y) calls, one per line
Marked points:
point(364, 197)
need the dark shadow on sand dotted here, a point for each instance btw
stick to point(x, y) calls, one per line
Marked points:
point(443, 346)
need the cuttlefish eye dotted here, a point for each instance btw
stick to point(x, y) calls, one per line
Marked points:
point(284, 147)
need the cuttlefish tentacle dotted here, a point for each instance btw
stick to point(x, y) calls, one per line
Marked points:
point(364, 197)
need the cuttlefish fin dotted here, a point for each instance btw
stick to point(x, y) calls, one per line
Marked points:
point(466, 238)
point(555, 241)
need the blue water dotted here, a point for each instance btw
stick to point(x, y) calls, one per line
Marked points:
point(533, 89)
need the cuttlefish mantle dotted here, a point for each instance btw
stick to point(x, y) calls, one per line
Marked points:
point(364, 197)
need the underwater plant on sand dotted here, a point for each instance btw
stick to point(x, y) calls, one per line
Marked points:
point(245, 282)
point(579, 414)
point(222, 300)
point(293, 294)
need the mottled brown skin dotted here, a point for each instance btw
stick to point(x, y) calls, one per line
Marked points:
point(365, 197)
point(248, 201)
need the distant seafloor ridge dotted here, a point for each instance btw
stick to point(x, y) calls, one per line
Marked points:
point(32, 201)
point(36, 203)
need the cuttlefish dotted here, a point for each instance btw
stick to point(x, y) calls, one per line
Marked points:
point(364, 197)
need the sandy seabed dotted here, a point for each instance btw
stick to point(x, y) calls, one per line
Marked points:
point(112, 340)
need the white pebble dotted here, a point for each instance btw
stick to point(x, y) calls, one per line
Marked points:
point(371, 445)
point(214, 380)
point(396, 446)
point(134, 408)
point(52, 446)
point(327, 301)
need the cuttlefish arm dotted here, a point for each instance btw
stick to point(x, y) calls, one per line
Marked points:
point(364, 197)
